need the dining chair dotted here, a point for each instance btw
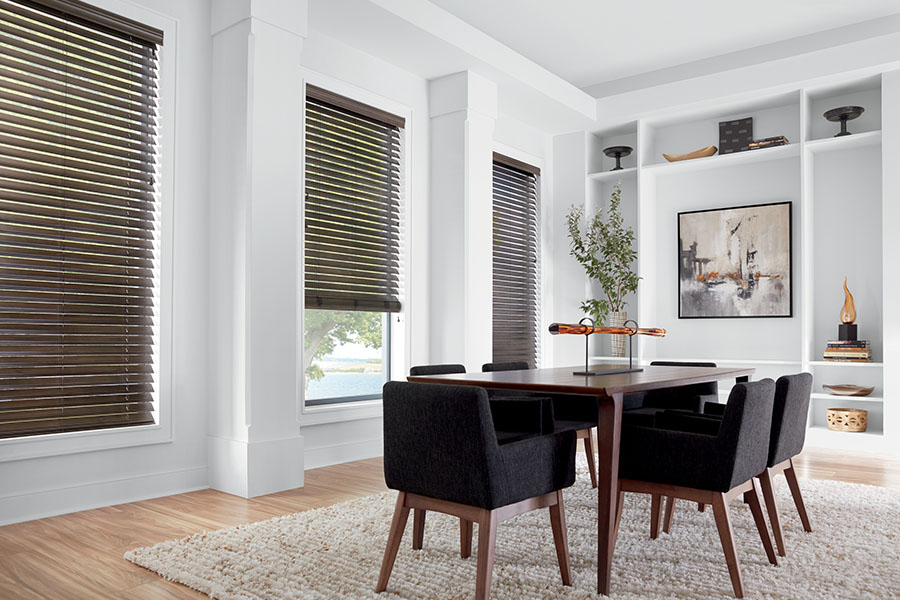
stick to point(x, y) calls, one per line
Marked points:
point(712, 464)
point(514, 418)
point(441, 454)
point(789, 417)
point(570, 413)
point(641, 409)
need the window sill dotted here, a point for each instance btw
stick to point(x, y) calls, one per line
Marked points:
point(74, 442)
point(335, 413)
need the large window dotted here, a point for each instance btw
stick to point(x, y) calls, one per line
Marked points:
point(78, 218)
point(515, 268)
point(352, 272)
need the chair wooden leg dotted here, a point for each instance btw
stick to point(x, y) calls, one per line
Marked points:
point(589, 450)
point(701, 507)
point(465, 538)
point(398, 524)
point(752, 498)
point(670, 510)
point(619, 502)
point(791, 477)
point(487, 537)
point(765, 481)
point(560, 538)
point(418, 528)
point(726, 535)
point(656, 508)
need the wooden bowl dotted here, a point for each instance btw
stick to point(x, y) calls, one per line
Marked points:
point(847, 389)
point(701, 153)
point(847, 419)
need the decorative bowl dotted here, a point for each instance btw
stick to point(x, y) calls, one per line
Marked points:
point(846, 389)
point(701, 153)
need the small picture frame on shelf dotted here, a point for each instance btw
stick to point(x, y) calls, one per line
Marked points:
point(735, 136)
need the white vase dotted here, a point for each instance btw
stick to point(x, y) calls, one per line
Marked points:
point(617, 343)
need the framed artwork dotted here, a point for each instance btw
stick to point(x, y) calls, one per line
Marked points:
point(735, 262)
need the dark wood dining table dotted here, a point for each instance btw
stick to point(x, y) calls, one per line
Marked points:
point(608, 390)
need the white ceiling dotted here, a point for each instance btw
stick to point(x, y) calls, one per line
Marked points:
point(593, 41)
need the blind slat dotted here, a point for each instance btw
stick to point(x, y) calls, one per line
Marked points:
point(78, 219)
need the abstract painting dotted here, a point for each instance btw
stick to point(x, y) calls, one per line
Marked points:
point(735, 262)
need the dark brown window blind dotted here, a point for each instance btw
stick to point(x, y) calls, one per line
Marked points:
point(352, 209)
point(78, 218)
point(515, 262)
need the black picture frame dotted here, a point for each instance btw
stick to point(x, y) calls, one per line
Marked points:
point(790, 261)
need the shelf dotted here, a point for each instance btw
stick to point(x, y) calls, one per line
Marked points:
point(748, 157)
point(828, 363)
point(622, 174)
point(740, 361)
point(847, 142)
point(835, 397)
point(820, 435)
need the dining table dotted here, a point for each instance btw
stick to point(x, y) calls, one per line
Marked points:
point(608, 390)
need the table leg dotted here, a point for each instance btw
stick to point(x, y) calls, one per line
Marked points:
point(609, 432)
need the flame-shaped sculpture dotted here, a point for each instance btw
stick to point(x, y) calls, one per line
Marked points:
point(848, 311)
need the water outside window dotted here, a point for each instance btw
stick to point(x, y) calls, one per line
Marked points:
point(346, 355)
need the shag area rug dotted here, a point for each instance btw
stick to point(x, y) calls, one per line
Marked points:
point(335, 552)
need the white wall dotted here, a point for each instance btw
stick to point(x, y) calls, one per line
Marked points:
point(37, 487)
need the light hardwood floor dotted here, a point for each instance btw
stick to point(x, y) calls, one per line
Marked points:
point(80, 555)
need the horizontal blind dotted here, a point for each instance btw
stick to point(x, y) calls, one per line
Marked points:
point(78, 218)
point(352, 209)
point(515, 261)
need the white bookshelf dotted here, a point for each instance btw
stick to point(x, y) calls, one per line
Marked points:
point(838, 192)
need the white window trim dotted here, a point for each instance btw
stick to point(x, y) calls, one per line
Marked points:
point(163, 431)
point(543, 231)
point(400, 334)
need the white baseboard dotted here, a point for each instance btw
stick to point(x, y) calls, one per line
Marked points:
point(333, 454)
point(250, 469)
point(15, 508)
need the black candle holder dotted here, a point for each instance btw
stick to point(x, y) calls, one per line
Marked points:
point(618, 152)
point(844, 114)
point(631, 368)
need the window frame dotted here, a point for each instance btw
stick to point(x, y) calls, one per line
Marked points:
point(398, 333)
point(544, 231)
point(55, 444)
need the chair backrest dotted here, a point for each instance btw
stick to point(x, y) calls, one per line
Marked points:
point(439, 441)
point(517, 365)
point(743, 441)
point(436, 370)
point(789, 417)
point(684, 396)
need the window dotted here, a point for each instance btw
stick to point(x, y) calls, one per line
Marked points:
point(515, 268)
point(352, 273)
point(78, 219)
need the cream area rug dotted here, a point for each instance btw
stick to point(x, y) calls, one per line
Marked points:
point(335, 553)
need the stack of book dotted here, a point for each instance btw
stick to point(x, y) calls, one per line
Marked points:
point(848, 351)
point(778, 140)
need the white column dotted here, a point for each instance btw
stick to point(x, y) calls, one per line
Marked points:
point(254, 442)
point(890, 157)
point(463, 109)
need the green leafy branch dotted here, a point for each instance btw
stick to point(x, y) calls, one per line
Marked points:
point(606, 251)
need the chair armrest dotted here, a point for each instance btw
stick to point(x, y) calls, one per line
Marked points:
point(533, 414)
point(539, 465)
point(672, 457)
point(714, 409)
point(676, 420)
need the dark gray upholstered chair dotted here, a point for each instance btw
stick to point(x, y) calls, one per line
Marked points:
point(441, 453)
point(700, 467)
point(570, 413)
point(790, 413)
point(642, 408)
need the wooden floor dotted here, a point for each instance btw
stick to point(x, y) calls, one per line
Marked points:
point(80, 555)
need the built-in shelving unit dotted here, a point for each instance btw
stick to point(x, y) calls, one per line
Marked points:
point(837, 190)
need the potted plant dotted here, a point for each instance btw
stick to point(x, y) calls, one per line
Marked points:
point(605, 250)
